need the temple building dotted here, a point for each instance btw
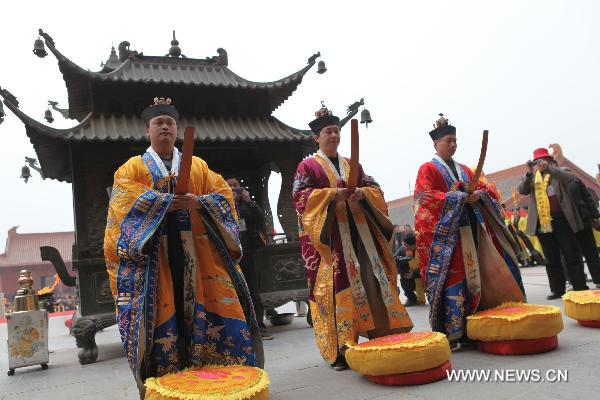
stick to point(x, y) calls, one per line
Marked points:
point(236, 134)
point(22, 251)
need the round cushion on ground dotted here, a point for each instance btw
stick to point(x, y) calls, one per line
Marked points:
point(583, 305)
point(413, 378)
point(232, 382)
point(514, 321)
point(399, 354)
point(520, 346)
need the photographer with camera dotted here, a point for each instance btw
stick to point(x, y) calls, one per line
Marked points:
point(405, 258)
point(251, 222)
point(554, 218)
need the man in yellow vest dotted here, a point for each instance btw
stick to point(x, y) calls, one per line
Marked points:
point(554, 218)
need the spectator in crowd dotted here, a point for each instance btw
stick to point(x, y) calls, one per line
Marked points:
point(408, 268)
point(586, 201)
point(554, 218)
point(251, 220)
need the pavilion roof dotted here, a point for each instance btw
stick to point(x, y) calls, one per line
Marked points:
point(52, 145)
point(110, 127)
point(134, 67)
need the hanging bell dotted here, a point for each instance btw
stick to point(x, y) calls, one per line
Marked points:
point(365, 117)
point(48, 116)
point(25, 173)
point(39, 49)
point(321, 68)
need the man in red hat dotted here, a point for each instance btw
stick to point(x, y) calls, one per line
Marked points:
point(554, 218)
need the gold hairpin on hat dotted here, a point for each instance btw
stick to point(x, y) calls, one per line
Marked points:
point(322, 111)
point(441, 121)
point(162, 101)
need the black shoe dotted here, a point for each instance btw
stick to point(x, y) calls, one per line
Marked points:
point(265, 335)
point(340, 364)
point(554, 296)
point(410, 303)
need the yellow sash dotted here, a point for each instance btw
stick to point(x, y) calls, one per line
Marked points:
point(542, 202)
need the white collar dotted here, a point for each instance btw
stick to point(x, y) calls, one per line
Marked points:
point(161, 164)
point(340, 164)
point(458, 168)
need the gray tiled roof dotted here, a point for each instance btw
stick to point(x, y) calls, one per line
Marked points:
point(110, 127)
point(188, 72)
point(53, 145)
point(194, 76)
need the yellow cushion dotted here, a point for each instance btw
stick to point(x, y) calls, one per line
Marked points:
point(512, 321)
point(399, 354)
point(232, 382)
point(583, 305)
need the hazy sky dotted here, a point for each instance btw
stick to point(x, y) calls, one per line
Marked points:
point(525, 70)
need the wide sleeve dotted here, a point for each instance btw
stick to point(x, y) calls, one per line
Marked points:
point(135, 211)
point(434, 206)
point(375, 201)
point(218, 207)
point(213, 183)
point(313, 205)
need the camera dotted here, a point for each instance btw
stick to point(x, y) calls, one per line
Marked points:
point(402, 264)
point(238, 190)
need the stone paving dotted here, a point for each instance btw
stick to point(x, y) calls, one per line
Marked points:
point(297, 371)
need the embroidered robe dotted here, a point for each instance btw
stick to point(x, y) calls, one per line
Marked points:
point(448, 231)
point(347, 255)
point(217, 325)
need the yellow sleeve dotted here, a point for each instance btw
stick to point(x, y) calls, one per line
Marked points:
point(318, 216)
point(210, 183)
point(131, 194)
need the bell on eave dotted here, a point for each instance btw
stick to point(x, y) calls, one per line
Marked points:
point(25, 173)
point(321, 68)
point(48, 116)
point(365, 117)
point(39, 49)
